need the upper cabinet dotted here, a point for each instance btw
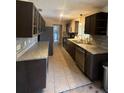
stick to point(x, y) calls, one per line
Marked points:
point(29, 22)
point(96, 24)
point(72, 27)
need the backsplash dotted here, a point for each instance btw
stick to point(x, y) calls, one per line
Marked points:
point(101, 41)
point(23, 44)
point(97, 40)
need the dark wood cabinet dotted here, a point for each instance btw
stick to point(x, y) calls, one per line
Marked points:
point(96, 24)
point(70, 48)
point(47, 35)
point(64, 40)
point(90, 64)
point(80, 57)
point(87, 25)
point(93, 65)
point(76, 26)
point(41, 24)
point(31, 69)
point(31, 76)
point(21, 80)
point(29, 22)
point(69, 29)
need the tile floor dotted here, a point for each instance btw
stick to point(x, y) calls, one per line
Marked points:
point(63, 74)
point(90, 88)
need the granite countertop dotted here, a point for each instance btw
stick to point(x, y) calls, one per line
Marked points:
point(91, 48)
point(37, 51)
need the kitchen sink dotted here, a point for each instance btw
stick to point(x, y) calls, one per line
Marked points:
point(77, 41)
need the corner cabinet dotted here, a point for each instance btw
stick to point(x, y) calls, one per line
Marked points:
point(96, 24)
point(29, 22)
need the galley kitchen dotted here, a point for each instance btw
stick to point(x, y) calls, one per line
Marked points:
point(61, 46)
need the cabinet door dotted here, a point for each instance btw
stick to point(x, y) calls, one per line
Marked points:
point(87, 68)
point(80, 58)
point(36, 75)
point(67, 27)
point(21, 80)
point(27, 19)
point(91, 67)
point(87, 25)
point(23, 19)
point(64, 42)
point(92, 24)
point(76, 26)
point(71, 49)
point(101, 27)
point(96, 24)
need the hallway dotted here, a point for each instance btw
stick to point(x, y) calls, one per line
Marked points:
point(63, 74)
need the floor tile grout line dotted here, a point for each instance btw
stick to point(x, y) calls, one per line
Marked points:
point(64, 70)
point(65, 74)
point(54, 69)
point(77, 87)
point(54, 72)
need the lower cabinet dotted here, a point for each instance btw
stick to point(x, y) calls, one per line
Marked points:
point(31, 76)
point(64, 42)
point(90, 64)
point(93, 65)
point(71, 49)
point(80, 57)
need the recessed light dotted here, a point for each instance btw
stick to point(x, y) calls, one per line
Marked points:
point(61, 15)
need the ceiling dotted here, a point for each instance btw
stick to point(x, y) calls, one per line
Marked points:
point(68, 9)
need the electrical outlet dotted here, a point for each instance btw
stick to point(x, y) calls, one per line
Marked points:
point(18, 47)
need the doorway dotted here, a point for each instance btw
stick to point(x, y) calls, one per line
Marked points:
point(57, 33)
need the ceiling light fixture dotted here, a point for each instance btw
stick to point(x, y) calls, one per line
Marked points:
point(80, 18)
point(61, 15)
